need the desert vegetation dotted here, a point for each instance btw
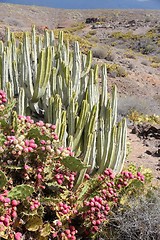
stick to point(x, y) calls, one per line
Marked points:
point(63, 145)
point(38, 197)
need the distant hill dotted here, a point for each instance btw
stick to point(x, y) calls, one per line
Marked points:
point(90, 4)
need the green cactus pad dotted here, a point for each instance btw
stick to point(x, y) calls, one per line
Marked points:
point(3, 179)
point(45, 231)
point(21, 192)
point(73, 164)
point(34, 223)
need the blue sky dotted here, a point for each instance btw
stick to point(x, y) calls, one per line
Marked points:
point(85, 4)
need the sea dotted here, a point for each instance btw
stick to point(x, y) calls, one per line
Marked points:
point(90, 4)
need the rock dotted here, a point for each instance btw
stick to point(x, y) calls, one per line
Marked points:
point(91, 20)
point(132, 23)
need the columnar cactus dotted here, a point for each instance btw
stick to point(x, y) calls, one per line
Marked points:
point(59, 85)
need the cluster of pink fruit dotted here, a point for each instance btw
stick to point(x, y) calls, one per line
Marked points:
point(126, 177)
point(18, 145)
point(9, 213)
point(98, 207)
point(46, 129)
point(97, 212)
point(64, 176)
point(69, 233)
point(3, 98)
point(34, 204)
point(64, 209)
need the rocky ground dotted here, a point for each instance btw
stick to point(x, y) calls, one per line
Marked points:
point(127, 40)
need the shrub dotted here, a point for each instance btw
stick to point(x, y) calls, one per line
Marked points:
point(139, 117)
point(139, 220)
point(100, 52)
point(144, 62)
point(103, 53)
point(110, 56)
point(155, 65)
point(90, 34)
point(155, 59)
point(124, 36)
point(147, 18)
point(19, 36)
point(94, 39)
point(145, 46)
point(116, 70)
point(130, 54)
point(127, 104)
point(131, 66)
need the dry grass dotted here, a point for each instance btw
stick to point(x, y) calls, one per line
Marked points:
point(139, 221)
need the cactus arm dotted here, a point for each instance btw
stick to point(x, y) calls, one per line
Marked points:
point(80, 124)
point(112, 147)
point(106, 141)
point(40, 77)
point(62, 134)
point(46, 38)
point(4, 70)
point(81, 175)
point(1, 47)
point(14, 48)
point(103, 98)
point(118, 167)
point(34, 53)
point(87, 65)
point(7, 34)
point(90, 87)
point(90, 128)
point(9, 91)
point(114, 105)
point(52, 84)
point(93, 153)
point(9, 58)
point(71, 117)
point(50, 110)
point(58, 113)
point(39, 45)
point(100, 141)
point(15, 77)
point(59, 86)
point(27, 67)
point(43, 74)
point(52, 38)
point(20, 105)
point(116, 159)
point(76, 69)
point(48, 66)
